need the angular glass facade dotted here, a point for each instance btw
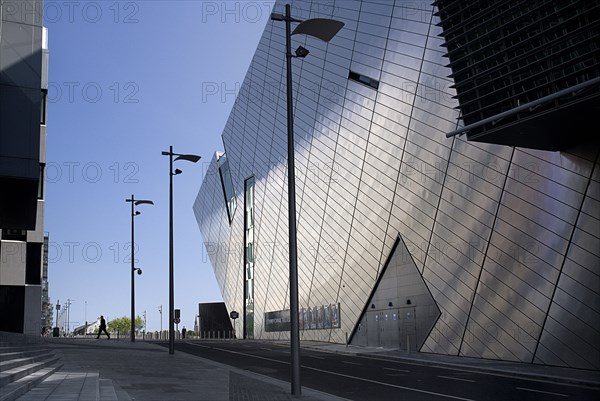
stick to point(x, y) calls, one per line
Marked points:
point(228, 188)
point(469, 249)
point(249, 257)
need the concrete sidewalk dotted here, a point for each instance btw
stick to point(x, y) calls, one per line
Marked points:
point(113, 370)
point(110, 370)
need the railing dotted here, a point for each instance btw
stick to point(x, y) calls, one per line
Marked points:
point(164, 335)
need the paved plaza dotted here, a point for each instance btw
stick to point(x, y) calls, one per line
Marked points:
point(118, 370)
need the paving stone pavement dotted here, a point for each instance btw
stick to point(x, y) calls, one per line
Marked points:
point(110, 370)
point(113, 370)
point(72, 384)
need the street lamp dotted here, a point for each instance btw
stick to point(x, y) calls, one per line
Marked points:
point(160, 311)
point(324, 29)
point(56, 330)
point(68, 307)
point(193, 159)
point(134, 202)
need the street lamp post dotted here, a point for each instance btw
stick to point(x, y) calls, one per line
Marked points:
point(134, 202)
point(56, 333)
point(193, 159)
point(68, 306)
point(324, 29)
point(160, 311)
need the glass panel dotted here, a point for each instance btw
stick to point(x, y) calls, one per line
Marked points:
point(228, 189)
point(249, 257)
point(43, 107)
point(41, 181)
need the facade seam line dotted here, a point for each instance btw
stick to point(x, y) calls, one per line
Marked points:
point(485, 253)
point(562, 265)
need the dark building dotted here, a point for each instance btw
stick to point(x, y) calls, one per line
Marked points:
point(214, 320)
point(23, 89)
point(526, 73)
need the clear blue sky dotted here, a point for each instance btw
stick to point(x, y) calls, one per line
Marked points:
point(126, 80)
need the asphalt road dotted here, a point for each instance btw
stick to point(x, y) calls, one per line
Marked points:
point(368, 378)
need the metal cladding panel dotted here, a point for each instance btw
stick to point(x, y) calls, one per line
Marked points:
point(209, 210)
point(32, 322)
point(506, 239)
point(524, 259)
point(12, 262)
point(572, 332)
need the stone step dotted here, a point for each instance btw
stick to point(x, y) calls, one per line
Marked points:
point(9, 360)
point(15, 373)
point(21, 347)
point(59, 386)
point(15, 352)
point(15, 389)
point(76, 386)
point(16, 348)
point(8, 339)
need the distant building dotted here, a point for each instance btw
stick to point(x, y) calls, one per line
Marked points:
point(23, 93)
point(213, 320)
point(484, 245)
point(90, 328)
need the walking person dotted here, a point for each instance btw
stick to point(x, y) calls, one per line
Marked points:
point(102, 328)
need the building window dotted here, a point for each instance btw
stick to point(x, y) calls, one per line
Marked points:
point(41, 181)
point(228, 189)
point(14, 234)
point(43, 106)
point(249, 258)
point(363, 79)
point(33, 264)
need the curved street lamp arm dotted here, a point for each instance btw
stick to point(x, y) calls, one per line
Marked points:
point(320, 28)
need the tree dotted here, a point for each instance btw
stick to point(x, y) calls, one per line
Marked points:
point(123, 324)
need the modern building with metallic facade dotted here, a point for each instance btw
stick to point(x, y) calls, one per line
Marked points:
point(23, 93)
point(407, 238)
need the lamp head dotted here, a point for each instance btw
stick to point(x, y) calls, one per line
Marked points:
point(143, 202)
point(277, 17)
point(137, 212)
point(189, 158)
point(177, 171)
point(301, 52)
point(139, 271)
point(320, 28)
